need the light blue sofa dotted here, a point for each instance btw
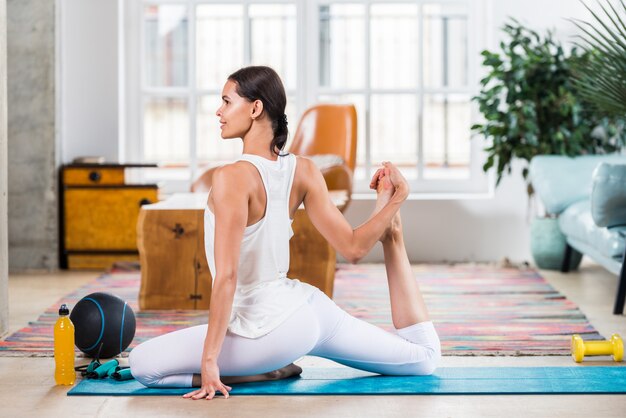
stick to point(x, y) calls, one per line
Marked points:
point(588, 194)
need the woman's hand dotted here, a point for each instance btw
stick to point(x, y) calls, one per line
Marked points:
point(211, 383)
point(394, 178)
point(378, 175)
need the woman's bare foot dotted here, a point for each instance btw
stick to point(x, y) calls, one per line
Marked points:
point(384, 192)
point(282, 373)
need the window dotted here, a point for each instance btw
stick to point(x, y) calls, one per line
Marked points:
point(408, 66)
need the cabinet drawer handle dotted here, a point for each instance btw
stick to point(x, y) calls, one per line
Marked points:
point(95, 176)
point(144, 201)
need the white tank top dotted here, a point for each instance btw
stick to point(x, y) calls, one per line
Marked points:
point(265, 296)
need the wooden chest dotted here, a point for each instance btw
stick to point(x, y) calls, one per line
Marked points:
point(174, 270)
point(98, 214)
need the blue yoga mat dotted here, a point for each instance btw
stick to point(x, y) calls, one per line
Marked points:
point(446, 380)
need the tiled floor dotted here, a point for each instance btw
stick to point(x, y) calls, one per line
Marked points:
point(27, 384)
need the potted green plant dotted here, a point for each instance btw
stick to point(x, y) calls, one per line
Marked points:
point(530, 107)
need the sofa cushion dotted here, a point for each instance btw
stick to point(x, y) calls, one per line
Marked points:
point(608, 195)
point(576, 221)
point(560, 181)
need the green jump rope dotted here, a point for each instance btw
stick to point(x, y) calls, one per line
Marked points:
point(97, 370)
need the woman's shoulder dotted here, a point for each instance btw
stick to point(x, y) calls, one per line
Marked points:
point(307, 174)
point(305, 163)
point(235, 174)
point(305, 167)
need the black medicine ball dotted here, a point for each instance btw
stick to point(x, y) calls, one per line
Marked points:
point(102, 319)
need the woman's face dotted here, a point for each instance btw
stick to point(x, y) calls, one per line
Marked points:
point(235, 113)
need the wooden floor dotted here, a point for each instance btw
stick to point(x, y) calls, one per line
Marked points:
point(27, 384)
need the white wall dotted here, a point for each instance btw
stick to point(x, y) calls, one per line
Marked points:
point(486, 229)
point(89, 92)
point(436, 230)
point(542, 15)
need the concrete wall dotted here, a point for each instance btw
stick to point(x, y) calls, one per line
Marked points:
point(4, 238)
point(31, 126)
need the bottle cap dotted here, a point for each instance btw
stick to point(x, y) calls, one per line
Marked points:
point(63, 310)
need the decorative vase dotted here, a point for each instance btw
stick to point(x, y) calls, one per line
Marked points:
point(547, 245)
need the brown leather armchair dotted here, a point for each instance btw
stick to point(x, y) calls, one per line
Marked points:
point(329, 129)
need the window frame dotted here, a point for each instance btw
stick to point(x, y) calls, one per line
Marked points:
point(134, 92)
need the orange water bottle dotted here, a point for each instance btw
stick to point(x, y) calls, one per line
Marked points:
point(64, 372)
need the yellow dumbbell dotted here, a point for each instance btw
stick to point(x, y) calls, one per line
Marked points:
point(613, 347)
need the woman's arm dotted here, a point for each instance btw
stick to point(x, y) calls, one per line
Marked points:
point(230, 196)
point(352, 244)
point(230, 199)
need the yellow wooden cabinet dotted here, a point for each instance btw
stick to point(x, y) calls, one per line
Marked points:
point(98, 215)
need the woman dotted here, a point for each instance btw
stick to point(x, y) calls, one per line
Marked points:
point(260, 320)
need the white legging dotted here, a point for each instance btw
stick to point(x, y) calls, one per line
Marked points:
point(318, 328)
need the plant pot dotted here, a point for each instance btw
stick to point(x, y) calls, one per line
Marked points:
point(547, 245)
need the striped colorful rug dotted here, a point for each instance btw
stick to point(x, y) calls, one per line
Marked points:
point(477, 310)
